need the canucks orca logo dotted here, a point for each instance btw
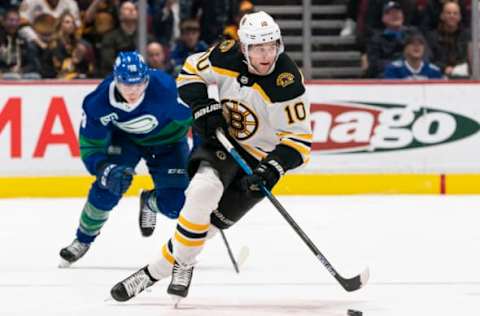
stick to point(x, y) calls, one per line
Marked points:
point(139, 125)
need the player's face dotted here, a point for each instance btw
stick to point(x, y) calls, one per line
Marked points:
point(132, 92)
point(262, 56)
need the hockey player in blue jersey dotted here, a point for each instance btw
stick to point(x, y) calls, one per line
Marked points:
point(132, 115)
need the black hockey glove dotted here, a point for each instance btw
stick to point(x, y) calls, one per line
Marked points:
point(267, 173)
point(207, 118)
point(115, 178)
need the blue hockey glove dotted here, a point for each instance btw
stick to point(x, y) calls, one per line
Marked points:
point(267, 173)
point(115, 178)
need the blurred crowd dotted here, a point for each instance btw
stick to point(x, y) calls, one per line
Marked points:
point(78, 39)
point(414, 39)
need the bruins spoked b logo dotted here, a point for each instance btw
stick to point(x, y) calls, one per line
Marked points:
point(242, 120)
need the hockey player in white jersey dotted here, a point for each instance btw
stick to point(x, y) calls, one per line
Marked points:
point(263, 109)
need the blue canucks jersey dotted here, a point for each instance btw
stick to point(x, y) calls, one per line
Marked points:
point(155, 119)
point(400, 69)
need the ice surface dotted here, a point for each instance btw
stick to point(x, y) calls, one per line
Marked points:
point(423, 253)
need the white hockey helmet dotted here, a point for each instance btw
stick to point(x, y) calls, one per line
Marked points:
point(259, 28)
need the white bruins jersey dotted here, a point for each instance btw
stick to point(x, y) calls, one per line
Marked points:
point(262, 111)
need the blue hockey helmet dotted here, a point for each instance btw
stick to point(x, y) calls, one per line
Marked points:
point(130, 68)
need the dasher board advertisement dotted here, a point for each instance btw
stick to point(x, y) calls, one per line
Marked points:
point(358, 127)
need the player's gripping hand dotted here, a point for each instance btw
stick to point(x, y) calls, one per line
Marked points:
point(267, 173)
point(207, 118)
point(115, 178)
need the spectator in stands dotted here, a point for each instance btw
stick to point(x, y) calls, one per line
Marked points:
point(189, 43)
point(157, 59)
point(44, 28)
point(163, 21)
point(230, 31)
point(449, 42)
point(99, 7)
point(433, 11)
point(100, 18)
point(31, 9)
point(213, 16)
point(375, 13)
point(413, 65)
point(6, 5)
point(123, 38)
point(387, 45)
point(64, 41)
point(68, 50)
point(79, 65)
point(17, 55)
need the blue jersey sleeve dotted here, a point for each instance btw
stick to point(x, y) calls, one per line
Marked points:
point(179, 113)
point(94, 137)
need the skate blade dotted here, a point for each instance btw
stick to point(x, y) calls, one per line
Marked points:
point(63, 264)
point(176, 300)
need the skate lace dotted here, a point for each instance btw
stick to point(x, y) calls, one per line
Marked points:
point(137, 283)
point(78, 248)
point(149, 218)
point(182, 274)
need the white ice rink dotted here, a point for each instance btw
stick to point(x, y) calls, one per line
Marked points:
point(423, 253)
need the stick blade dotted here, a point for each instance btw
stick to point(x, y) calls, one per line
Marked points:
point(356, 282)
point(242, 256)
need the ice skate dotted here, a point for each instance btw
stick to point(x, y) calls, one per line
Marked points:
point(72, 253)
point(147, 218)
point(180, 282)
point(132, 286)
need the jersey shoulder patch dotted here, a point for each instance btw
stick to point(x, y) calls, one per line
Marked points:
point(285, 82)
point(227, 55)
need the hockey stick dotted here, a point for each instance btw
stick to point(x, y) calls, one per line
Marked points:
point(349, 285)
point(230, 254)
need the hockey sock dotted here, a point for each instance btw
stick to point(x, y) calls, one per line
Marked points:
point(92, 220)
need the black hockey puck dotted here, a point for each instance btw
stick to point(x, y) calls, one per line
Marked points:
point(353, 312)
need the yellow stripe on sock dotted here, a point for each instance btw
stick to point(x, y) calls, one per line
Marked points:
point(196, 228)
point(187, 242)
point(167, 255)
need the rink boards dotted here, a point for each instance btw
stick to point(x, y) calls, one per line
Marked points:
point(368, 137)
